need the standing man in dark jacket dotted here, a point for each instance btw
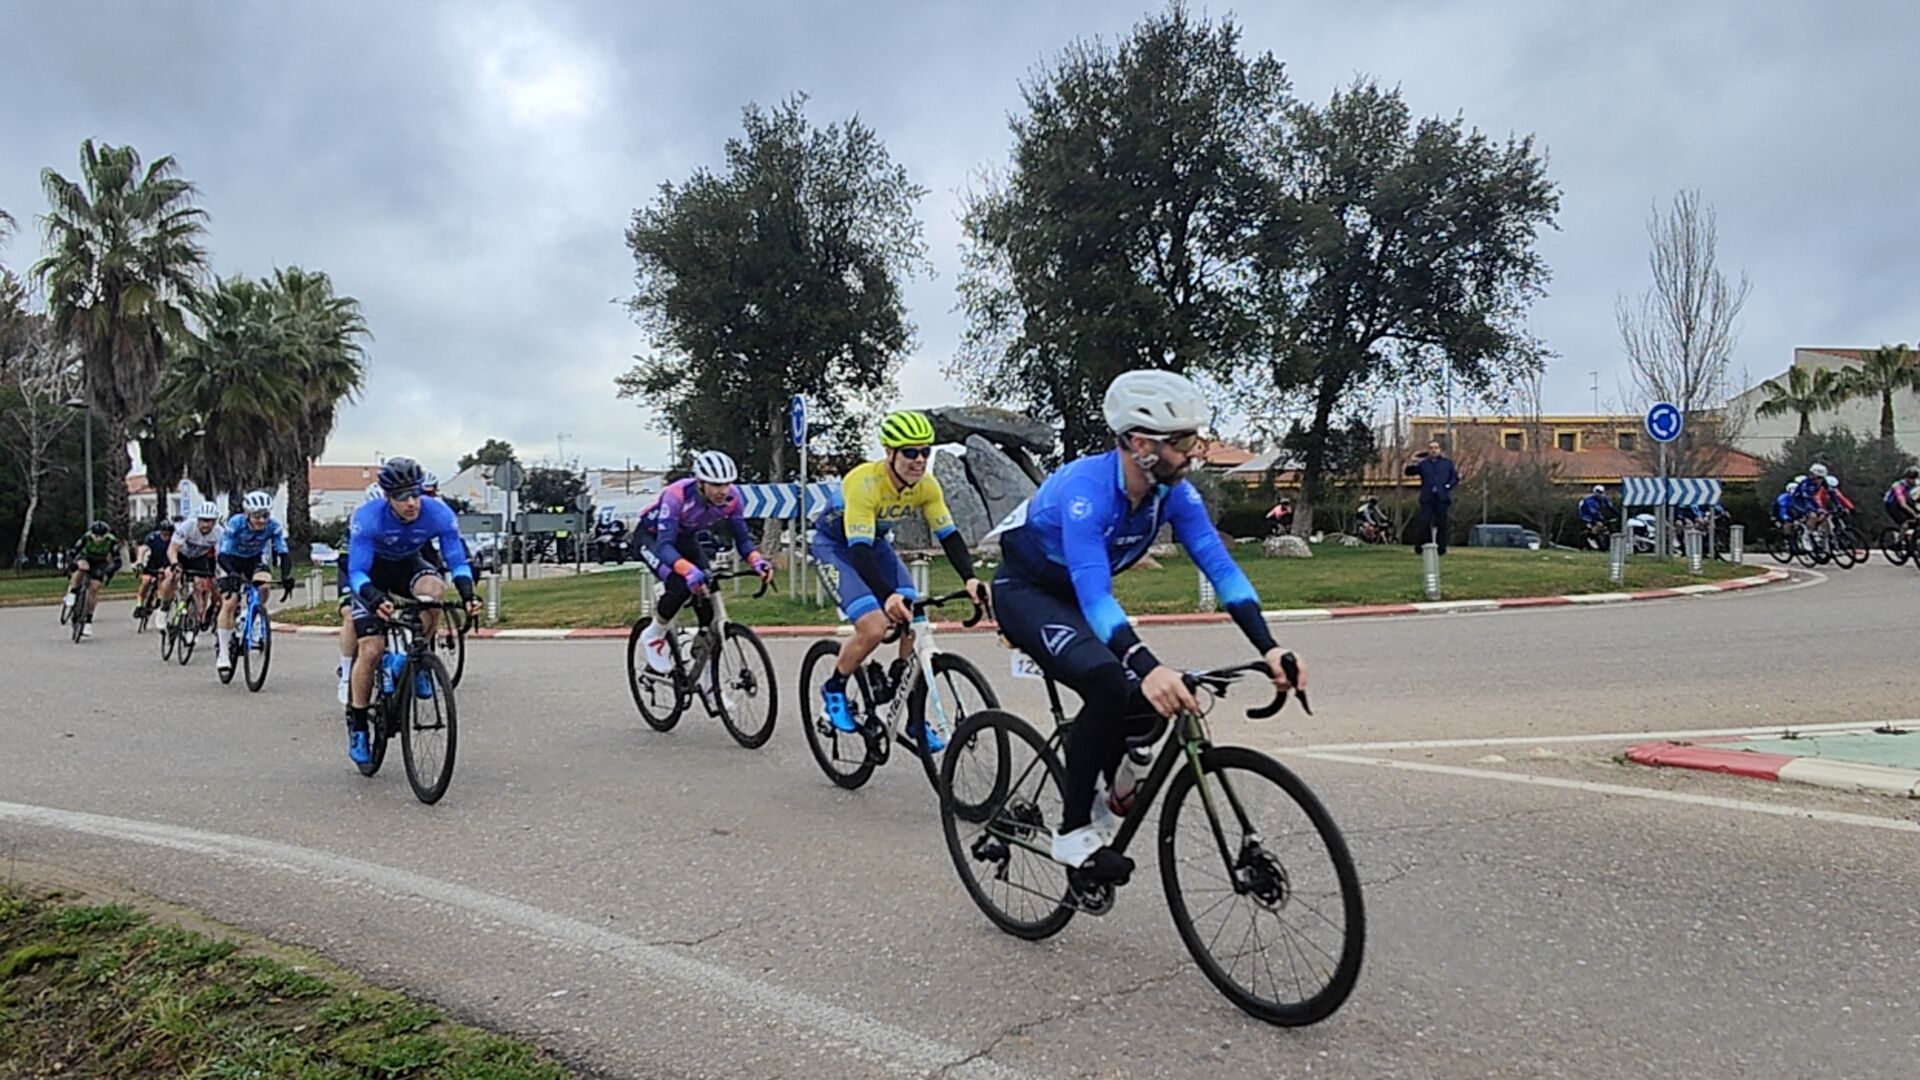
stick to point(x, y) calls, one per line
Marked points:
point(1438, 478)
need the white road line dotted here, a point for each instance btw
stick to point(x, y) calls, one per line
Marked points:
point(877, 1037)
point(1865, 821)
point(1611, 736)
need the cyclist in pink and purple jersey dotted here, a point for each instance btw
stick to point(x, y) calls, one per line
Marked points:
point(671, 533)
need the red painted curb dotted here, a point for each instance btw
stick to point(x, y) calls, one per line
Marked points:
point(1373, 609)
point(1757, 766)
point(1534, 601)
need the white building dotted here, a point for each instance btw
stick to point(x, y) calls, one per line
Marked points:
point(336, 490)
point(1763, 436)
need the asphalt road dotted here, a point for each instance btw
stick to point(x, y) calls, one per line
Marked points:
point(670, 905)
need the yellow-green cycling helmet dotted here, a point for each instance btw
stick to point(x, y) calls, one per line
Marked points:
point(906, 428)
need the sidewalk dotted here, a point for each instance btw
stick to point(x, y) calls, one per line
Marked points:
point(1884, 760)
point(1441, 607)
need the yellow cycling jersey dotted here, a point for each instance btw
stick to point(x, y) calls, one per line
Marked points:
point(867, 505)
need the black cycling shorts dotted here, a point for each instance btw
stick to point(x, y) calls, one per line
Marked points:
point(395, 576)
point(235, 570)
point(96, 568)
point(197, 564)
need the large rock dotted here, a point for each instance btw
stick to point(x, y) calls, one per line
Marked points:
point(1285, 547)
point(910, 534)
point(969, 510)
point(1027, 464)
point(1001, 484)
point(958, 423)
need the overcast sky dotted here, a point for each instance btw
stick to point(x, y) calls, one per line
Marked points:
point(467, 169)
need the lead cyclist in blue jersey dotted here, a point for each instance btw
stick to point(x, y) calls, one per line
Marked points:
point(383, 556)
point(1054, 593)
point(242, 561)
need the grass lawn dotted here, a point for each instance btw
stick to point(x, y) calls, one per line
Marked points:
point(1335, 576)
point(35, 587)
point(112, 991)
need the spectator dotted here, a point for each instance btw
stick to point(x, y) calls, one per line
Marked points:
point(1438, 478)
point(1280, 518)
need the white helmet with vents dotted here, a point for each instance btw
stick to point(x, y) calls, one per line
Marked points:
point(1155, 402)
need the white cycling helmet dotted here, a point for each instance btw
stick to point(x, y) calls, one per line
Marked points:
point(1818, 470)
point(1599, 489)
point(208, 511)
point(1156, 403)
point(1791, 484)
point(256, 501)
point(375, 491)
point(714, 467)
point(1833, 481)
point(430, 481)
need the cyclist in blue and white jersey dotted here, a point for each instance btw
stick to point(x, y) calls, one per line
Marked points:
point(243, 561)
point(1054, 594)
point(383, 556)
point(195, 545)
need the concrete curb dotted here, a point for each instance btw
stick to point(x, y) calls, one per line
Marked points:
point(1758, 765)
point(1289, 615)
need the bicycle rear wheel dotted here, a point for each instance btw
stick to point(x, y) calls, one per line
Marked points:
point(842, 755)
point(429, 728)
point(1005, 858)
point(256, 636)
point(1261, 887)
point(982, 766)
point(660, 697)
point(745, 691)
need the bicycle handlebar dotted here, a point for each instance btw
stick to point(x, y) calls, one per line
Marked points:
point(1218, 679)
point(919, 607)
point(765, 583)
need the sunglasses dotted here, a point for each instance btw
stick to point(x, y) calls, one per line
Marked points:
point(915, 453)
point(1185, 443)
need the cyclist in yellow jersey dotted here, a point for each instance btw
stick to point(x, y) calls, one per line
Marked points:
point(851, 546)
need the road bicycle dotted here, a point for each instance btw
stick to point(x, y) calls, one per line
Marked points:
point(722, 663)
point(427, 725)
point(1256, 874)
point(195, 607)
point(253, 635)
point(896, 706)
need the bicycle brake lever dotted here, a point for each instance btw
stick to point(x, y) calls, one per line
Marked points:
point(1290, 667)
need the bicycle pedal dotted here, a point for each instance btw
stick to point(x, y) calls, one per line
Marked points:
point(1090, 897)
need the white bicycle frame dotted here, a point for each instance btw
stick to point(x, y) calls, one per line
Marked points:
point(920, 669)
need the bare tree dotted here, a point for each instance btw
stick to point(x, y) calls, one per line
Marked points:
point(41, 375)
point(1679, 334)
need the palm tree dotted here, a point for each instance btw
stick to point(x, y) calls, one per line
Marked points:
point(1806, 391)
point(323, 332)
point(1886, 371)
point(123, 259)
point(236, 383)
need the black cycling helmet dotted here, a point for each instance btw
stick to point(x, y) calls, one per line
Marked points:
point(401, 476)
point(98, 528)
point(165, 526)
point(1913, 472)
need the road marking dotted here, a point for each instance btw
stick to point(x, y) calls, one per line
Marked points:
point(1611, 736)
point(1838, 817)
point(875, 1036)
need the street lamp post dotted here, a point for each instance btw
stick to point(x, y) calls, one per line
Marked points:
point(86, 402)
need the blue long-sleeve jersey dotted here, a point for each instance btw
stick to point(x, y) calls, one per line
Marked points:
point(377, 532)
point(1079, 530)
point(1595, 508)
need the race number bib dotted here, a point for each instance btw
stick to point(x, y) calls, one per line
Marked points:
point(1024, 667)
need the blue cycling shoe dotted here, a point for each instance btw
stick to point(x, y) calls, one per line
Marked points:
point(423, 685)
point(838, 712)
point(359, 749)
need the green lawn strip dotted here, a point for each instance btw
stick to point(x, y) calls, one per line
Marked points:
point(113, 991)
point(1334, 577)
point(21, 590)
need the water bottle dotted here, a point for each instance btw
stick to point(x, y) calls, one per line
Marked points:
point(391, 664)
point(1127, 777)
point(878, 682)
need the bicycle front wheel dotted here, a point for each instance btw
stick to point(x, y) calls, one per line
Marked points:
point(429, 726)
point(255, 642)
point(169, 632)
point(1893, 546)
point(1005, 857)
point(1261, 887)
point(745, 692)
point(962, 691)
